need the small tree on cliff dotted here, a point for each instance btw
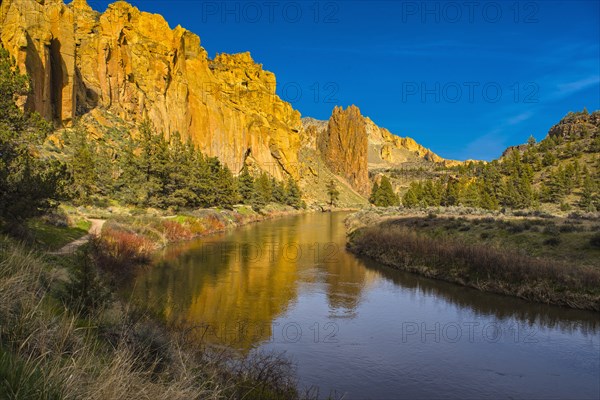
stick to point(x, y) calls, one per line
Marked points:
point(333, 193)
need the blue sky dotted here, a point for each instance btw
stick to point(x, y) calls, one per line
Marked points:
point(464, 78)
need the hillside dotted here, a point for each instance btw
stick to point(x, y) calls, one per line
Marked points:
point(558, 174)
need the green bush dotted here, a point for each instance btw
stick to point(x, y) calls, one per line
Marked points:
point(85, 293)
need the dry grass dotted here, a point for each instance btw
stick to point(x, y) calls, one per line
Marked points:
point(481, 266)
point(48, 352)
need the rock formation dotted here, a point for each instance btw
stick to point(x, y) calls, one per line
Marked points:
point(132, 65)
point(575, 125)
point(351, 145)
point(344, 146)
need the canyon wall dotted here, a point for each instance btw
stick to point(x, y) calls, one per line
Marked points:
point(133, 65)
point(125, 65)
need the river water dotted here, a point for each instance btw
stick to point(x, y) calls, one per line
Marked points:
point(357, 328)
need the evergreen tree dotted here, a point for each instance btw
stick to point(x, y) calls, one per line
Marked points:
point(181, 182)
point(333, 193)
point(29, 185)
point(411, 198)
point(262, 192)
point(469, 195)
point(548, 159)
point(278, 190)
point(586, 201)
point(294, 196)
point(227, 194)
point(385, 195)
point(131, 177)
point(451, 194)
point(82, 165)
point(487, 198)
point(374, 193)
point(246, 185)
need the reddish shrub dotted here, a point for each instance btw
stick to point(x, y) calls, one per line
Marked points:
point(119, 251)
point(175, 231)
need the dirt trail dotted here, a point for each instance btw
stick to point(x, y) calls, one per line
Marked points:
point(70, 248)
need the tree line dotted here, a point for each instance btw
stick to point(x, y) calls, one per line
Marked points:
point(153, 171)
point(545, 172)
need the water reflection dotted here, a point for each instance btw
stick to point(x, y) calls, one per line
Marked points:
point(232, 286)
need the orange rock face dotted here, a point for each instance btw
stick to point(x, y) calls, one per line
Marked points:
point(344, 147)
point(131, 64)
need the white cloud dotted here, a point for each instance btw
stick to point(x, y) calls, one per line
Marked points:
point(565, 89)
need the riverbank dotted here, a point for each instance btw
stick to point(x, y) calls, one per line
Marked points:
point(543, 259)
point(141, 231)
point(65, 334)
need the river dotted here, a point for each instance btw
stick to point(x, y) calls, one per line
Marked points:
point(357, 328)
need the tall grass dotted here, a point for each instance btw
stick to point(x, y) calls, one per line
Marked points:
point(481, 266)
point(49, 351)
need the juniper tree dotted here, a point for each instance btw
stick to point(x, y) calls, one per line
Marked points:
point(333, 193)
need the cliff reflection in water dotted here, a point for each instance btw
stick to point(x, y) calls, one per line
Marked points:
point(231, 287)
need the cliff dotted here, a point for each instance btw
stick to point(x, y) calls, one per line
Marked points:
point(576, 124)
point(387, 149)
point(131, 64)
point(351, 145)
point(344, 146)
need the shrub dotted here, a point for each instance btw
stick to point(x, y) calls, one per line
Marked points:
point(553, 241)
point(120, 251)
point(516, 227)
point(486, 235)
point(85, 293)
point(565, 206)
point(551, 230)
point(567, 228)
point(595, 240)
point(175, 231)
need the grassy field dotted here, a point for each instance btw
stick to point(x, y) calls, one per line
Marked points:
point(53, 237)
point(550, 260)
